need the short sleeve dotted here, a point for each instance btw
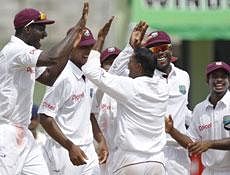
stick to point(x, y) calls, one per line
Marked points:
point(53, 99)
point(28, 57)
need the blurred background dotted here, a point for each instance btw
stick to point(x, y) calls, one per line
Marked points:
point(200, 29)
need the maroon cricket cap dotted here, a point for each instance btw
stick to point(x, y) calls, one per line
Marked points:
point(157, 38)
point(110, 51)
point(30, 16)
point(217, 65)
point(87, 38)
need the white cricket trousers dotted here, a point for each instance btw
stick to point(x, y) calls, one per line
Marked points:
point(177, 161)
point(208, 171)
point(144, 168)
point(19, 153)
point(135, 163)
point(59, 162)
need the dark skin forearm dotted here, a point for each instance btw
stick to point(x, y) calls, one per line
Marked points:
point(102, 35)
point(97, 134)
point(182, 139)
point(57, 57)
point(223, 144)
point(99, 44)
point(51, 127)
point(102, 149)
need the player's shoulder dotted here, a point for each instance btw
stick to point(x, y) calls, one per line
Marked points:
point(63, 78)
point(181, 73)
point(180, 70)
point(200, 106)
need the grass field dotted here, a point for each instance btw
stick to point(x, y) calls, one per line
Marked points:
point(38, 93)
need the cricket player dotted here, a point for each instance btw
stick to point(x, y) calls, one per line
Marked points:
point(106, 110)
point(21, 60)
point(140, 135)
point(177, 159)
point(208, 134)
point(65, 115)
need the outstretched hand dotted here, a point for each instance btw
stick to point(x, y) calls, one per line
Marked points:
point(138, 34)
point(102, 35)
point(105, 29)
point(80, 26)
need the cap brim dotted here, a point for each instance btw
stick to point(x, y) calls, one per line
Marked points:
point(216, 68)
point(47, 21)
point(156, 43)
point(109, 55)
point(87, 42)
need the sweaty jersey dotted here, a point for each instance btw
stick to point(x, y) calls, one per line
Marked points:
point(17, 79)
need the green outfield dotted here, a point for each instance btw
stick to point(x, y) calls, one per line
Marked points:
point(38, 93)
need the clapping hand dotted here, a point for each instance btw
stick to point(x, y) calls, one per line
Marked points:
point(138, 34)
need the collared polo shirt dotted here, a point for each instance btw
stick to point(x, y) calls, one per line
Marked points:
point(207, 124)
point(179, 83)
point(17, 79)
point(69, 101)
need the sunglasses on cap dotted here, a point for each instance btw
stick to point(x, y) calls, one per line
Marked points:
point(162, 48)
point(41, 17)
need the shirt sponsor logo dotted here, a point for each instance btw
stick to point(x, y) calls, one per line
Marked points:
point(204, 127)
point(49, 106)
point(77, 97)
point(105, 107)
point(182, 89)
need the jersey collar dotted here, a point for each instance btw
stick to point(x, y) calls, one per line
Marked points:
point(76, 71)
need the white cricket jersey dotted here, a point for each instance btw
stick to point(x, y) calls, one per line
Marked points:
point(120, 64)
point(178, 82)
point(207, 124)
point(17, 79)
point(106, 119)
point(140, 125)
point(69, 101)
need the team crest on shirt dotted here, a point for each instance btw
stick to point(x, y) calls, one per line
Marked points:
point(182, 89)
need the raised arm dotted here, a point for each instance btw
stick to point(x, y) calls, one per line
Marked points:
point(102, 35)
point(120, 64)
point(57, 57)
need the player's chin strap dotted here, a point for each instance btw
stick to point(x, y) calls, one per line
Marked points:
point(226, 122)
